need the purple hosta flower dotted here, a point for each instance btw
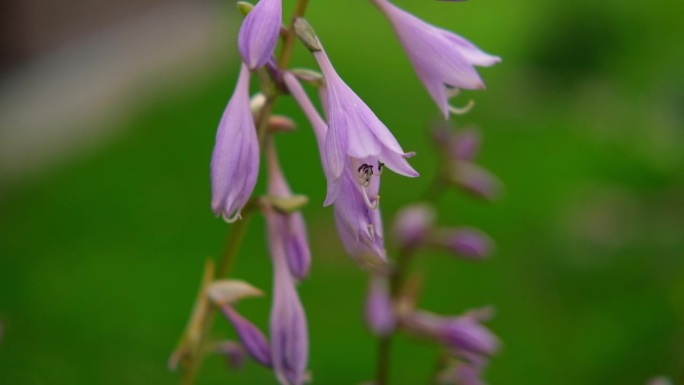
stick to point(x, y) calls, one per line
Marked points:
point(475, 180)
point(464, 144)
point(413, 224)
point(289, 335)
point(380, 314)
point(291, 227)
point(235, 160)
point(465, 336)
point(356, 142)
point(259, 32)
point(443, 61)
point(253, 340)
point(467, 242)
point(359, 224)
point(233, 352)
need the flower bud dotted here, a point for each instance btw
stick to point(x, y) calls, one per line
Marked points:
point(464, 144)
point(467, 242)
point(253, 340)
point(475, 180)
point(281, 123)
point(380, 315)
point(413, 224)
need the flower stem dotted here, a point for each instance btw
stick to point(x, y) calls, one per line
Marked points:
point(286, 52)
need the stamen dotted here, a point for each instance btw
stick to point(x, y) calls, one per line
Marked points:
point(371, 231)
point(381, 167)
point(234, 219)
point(370, 205)
point(462, 110)
point(365, 171)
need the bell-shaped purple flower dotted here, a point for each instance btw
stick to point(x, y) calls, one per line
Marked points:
point(289, 335)
point(443, 61)
point(291, 227)
point(259, 32)
point(358, 220)
point(235, 160)
point(253, 340)
point(356, 139)
point(380, 315)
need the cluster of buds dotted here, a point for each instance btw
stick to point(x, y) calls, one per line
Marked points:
point(355, 148)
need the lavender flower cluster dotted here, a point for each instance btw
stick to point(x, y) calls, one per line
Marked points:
point(355, 149)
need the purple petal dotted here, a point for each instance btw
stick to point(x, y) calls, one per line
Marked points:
point(413, 224)
point(235, 159)
point(259, 33)
point(379, 310)
point(251, 337)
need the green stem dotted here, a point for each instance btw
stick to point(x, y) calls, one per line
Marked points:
point(286, 52)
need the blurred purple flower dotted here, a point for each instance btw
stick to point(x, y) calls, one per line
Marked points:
point(358, 223)
point(464, 144)
point(379, 310)
point(291, 227)
point(259, 32)
point(253, 340)
point(466, 242)
point(475, 180)
point(413, 224)
point(464, 335)
point(289, 335)
point(356, 140)
point(235, 160)
point(443, 61)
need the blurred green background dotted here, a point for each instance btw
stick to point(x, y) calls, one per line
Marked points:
point(101, 253)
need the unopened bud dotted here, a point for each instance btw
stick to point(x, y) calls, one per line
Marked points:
point(464, 144)
point(257, 102)
point(379, 310)
point(476, 180)
point(253, 340)
point(281, 123)
point(307, 35)
point(467, 242)
point(413, 224)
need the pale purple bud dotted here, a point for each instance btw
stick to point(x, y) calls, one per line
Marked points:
point(380, 315)
point(259, 32)
point(234, 353)
point(356, 138)
point(235, 160)
point(463, 335)
point(467, 242)
point(413, 224)
point(358, 220)
point(464, 144)
point(291, 227)
point(441, 59)
point(476, 180)
point(289, 335)
point(253, 340)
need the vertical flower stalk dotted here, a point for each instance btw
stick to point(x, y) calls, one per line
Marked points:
point(235, 159)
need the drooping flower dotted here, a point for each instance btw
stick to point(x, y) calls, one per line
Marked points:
point(259, 32)
point(290, 225)
point(356, 139)
point(358, 221)
point(235, 160)
point(444, 61)
point(288, 326)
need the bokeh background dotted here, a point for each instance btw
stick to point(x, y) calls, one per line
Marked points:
point(108, 113)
